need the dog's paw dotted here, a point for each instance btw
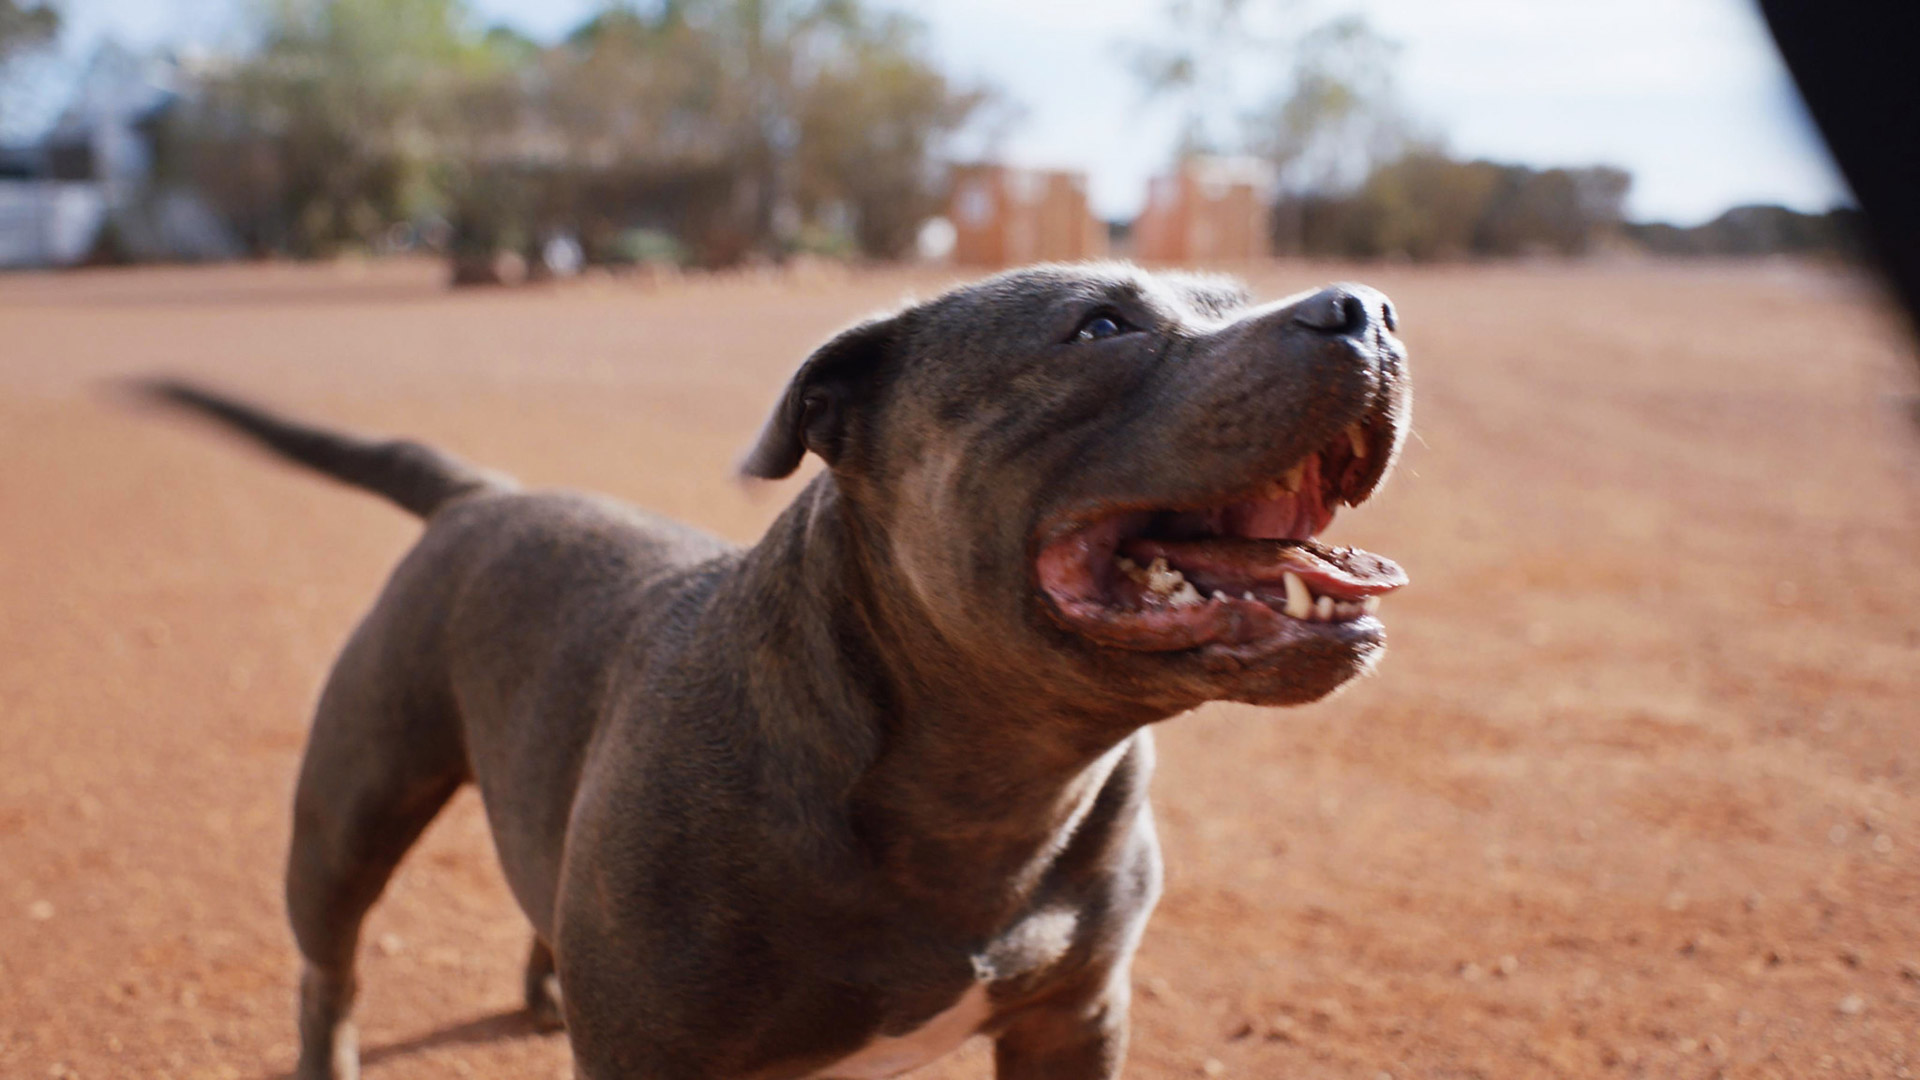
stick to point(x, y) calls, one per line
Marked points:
point(338, 1058)
point(543, 1002)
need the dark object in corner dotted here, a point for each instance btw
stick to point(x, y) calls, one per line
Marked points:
point(1854, 64)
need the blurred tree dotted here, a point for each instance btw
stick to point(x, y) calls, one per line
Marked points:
point(794, 113)
point(730, 125)
point(1761, 230)
point(653, 98)
point(1558, 211)
point(1425, 206)
point(1428, 206)
point(1355, 175)
point(1339, 116)
point(354, 96)
point(23, 29)
point(1196, 60)
point(1324, 107)
point(24, 26)
point(868, 126)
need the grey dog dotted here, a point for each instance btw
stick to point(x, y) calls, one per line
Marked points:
point(829, 805)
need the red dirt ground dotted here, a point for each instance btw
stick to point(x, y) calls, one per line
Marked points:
point(1633, 795)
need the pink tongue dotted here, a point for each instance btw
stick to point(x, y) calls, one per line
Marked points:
point(1233, 563)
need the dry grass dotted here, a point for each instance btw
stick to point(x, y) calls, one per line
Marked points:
point(1634, 795)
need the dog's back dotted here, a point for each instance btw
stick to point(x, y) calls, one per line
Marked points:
point(485, 658)
point(514, 603)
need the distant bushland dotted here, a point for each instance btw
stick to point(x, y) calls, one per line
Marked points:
point(1427, 206)
point(1759, 230)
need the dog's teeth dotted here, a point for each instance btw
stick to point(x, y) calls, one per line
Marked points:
point(1323, 609)
point(1248, 595)
point(1299, 600)
point(1185, 595)
point(1358, 438)
point(1167, 582)
point(1371, 605)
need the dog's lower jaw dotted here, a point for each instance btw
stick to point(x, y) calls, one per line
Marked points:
point(1320, 674)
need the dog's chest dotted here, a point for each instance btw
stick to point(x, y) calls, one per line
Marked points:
point(888, 1056)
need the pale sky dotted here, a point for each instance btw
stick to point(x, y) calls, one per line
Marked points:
point(1689, 95)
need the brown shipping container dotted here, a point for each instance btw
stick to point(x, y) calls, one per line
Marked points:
point(1211, 210)
point(1007, 216)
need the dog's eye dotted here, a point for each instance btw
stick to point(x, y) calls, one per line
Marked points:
point(1103, 325)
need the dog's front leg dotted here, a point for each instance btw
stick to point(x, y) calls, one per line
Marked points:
point(1086, 1041)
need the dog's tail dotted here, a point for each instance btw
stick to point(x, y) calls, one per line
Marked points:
point(417, 477)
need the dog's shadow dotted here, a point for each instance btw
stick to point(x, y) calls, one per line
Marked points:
point(493, 1027)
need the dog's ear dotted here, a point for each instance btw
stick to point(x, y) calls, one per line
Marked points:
point(815, 411)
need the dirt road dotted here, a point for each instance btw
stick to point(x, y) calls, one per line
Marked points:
point(1634, 794)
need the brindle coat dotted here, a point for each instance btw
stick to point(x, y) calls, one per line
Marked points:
point(766, 806)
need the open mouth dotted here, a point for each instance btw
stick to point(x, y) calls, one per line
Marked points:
point(1246, 570)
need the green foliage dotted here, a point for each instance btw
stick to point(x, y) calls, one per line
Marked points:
point(354, 98)
point(734, 124)
point(867, 127)
point(1428, 206)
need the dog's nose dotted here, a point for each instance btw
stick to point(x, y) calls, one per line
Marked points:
point(1346, 310)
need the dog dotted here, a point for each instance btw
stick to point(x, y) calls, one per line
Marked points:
point(832, 804)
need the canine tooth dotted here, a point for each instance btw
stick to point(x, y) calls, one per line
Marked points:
point(1248, 595)
point(1323, 608)
point(1299, 600)
point(1370, 605)
point(1185, 595)
point(1358, 438)
point(1166, 581)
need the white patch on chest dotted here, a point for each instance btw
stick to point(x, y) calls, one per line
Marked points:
point(890, 1055)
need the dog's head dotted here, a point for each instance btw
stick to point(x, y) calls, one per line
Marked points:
point(1114, 480)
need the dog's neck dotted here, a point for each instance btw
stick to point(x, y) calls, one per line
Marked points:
point(963, 788)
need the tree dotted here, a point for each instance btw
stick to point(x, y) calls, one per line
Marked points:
point(1561, 211)
point(1428, 206)
point(23, 29)
point(788, 111)
point(724, 123)
point(1198, 60)
point(1339, 116)
point(868, 125)
point(354, 96)
point(1331, 112)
